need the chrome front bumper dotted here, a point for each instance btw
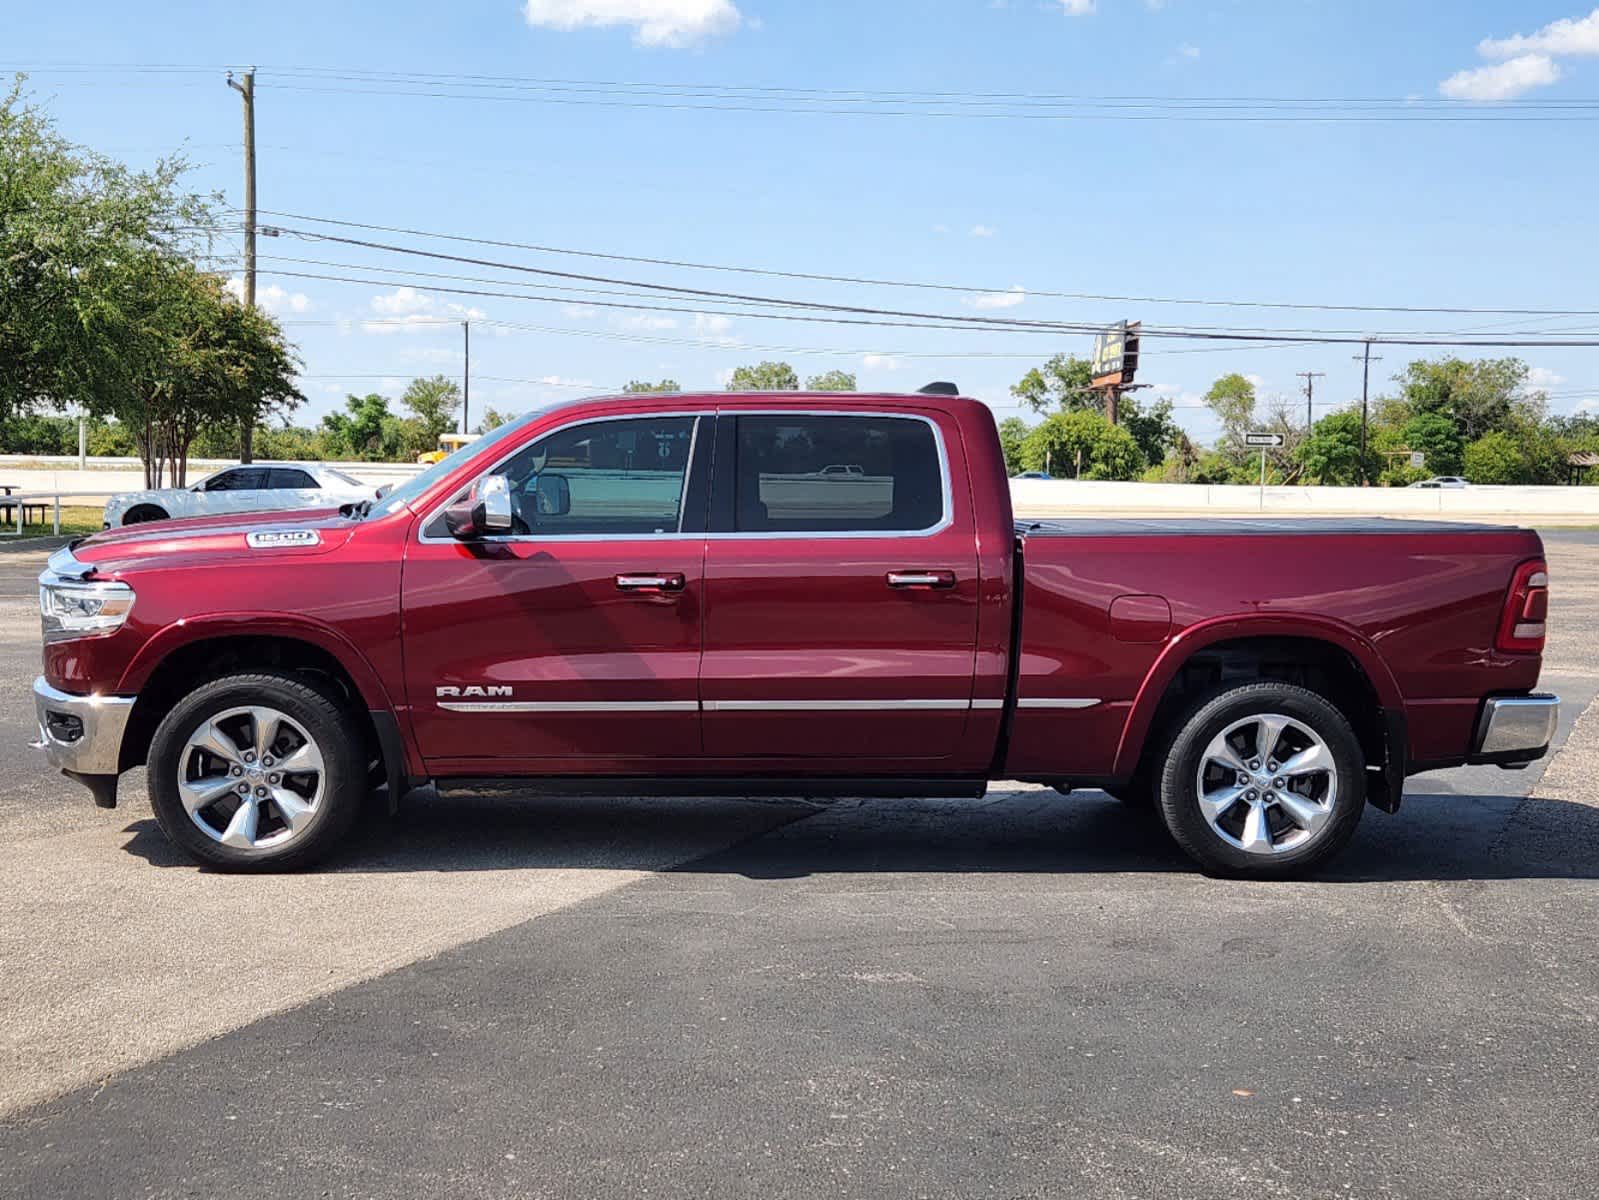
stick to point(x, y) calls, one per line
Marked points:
point(1515, 729)
point(81, 734)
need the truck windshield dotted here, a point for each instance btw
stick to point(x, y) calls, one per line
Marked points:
point(420, 482)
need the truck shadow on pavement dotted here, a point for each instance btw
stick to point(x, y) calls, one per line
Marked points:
point(1435, 837)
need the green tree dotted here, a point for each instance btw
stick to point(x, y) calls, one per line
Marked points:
point(1061, 384)
point(1495, 458)
point(831, 381)
point(1436, 436)
point(1012, 433)
point(1331, 454)
point(1081, 445)
point(764, 377)
point(190, 358)
point(493, 418)
point(1155, 431)
point(1478, 395)
point(433, 401)
point(1232, 399)
point(635, 386)
point(366, 430)
point(78, 236)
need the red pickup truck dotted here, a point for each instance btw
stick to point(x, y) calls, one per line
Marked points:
point(781, 593)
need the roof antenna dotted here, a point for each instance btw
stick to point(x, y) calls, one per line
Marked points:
point(939, 387)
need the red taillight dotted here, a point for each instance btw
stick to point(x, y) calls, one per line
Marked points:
point(1521, 627)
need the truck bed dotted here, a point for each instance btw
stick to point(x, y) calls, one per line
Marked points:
point(1054, 527)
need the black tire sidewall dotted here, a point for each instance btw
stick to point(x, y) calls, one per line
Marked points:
point(323, 717)
point(1178, 792)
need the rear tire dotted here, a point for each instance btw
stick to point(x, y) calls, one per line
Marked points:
point(140, 513)
point(1264, 780)
point(257, 772)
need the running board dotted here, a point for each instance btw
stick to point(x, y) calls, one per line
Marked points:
point(655, 785)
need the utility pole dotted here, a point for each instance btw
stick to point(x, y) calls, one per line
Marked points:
point(1365, 399)
point(1310, 378)
point(246, 89)
point(466, 374)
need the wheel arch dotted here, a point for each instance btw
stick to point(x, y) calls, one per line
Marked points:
point(1325, 655)
point(189, 653)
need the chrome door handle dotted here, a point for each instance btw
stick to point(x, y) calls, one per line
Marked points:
point(667, 581)
point(921, 579)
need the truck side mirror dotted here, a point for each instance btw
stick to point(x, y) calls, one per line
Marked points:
point(552, 495)
point(486, 511)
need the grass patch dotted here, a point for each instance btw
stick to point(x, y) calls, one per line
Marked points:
point(75, 521)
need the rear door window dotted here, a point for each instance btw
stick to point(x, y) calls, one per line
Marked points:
point(804, 473)
point(290, 477)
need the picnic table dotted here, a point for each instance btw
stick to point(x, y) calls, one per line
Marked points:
point(8, 508)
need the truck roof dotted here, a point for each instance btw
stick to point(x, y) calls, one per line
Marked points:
point(786, 397)
point(1242, 526)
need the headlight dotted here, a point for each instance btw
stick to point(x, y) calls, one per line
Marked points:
point(71, 609)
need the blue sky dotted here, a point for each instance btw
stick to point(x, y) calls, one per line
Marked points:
point(1459, 214)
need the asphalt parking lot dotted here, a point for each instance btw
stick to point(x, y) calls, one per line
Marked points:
point(1030, 996)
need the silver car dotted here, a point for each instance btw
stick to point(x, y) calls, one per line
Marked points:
point(256, 487)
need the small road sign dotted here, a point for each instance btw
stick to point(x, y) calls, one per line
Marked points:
point(1263, 439)
point(1418, 459)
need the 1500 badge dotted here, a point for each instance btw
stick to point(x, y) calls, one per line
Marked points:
point(452, 693)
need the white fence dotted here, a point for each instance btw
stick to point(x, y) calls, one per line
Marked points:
point(1063, 497)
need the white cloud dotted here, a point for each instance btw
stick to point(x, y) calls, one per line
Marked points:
point(645, 322)
point(671, 23)
point(881, 362)
point(1542, 378)
point(1569, 36)
point(940, 228)
point(402, 301)
point(712, 328)
point(1186, 50)
point(431, 354)
point(407, 310)
point(983, 231)
point(580, 312)
point(1256, 382)
point(1501, 81)
point(272, 298)
point(565, 381)
point(1006, 299)
point(1078, 8)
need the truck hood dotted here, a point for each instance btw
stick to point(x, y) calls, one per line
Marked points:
point(303, 533)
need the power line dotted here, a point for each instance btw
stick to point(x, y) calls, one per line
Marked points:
point(478, 78)
point(943, 287)
point(946, 322)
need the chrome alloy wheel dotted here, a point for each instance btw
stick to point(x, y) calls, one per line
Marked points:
point(251, 778)
point(1267, 784)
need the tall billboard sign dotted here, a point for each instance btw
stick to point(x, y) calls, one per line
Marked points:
point(1115, 360)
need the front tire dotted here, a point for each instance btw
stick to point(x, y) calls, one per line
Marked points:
point(140, 513)
point(258, 771)
point(1264, 780)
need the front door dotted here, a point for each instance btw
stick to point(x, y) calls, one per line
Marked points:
point(841, 593)
point(572, 644)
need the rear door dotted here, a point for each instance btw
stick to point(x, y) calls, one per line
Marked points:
point(294, 487)
point(571, 645)
point(239, 489)
point(841, 592)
